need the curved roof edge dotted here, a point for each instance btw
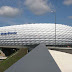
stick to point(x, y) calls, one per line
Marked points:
point(34, 23)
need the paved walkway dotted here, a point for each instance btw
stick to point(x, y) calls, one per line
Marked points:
point(2, 54)
point(1, 57)
point(64, 60)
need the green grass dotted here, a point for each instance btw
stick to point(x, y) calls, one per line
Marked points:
point(12, 59)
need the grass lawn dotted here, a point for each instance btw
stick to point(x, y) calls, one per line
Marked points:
point(12, 59)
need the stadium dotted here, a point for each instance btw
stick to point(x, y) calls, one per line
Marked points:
point(34, 34)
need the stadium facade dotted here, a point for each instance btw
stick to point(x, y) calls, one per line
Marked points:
point(31, 34)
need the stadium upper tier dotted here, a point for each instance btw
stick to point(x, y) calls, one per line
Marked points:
point(30, 34)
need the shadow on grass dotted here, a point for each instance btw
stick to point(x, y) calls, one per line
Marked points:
point(12, 59)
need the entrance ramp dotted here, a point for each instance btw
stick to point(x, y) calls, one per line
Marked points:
point(37, 60)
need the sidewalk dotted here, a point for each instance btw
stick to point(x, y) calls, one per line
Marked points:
point(63, 60)
point(2, 54)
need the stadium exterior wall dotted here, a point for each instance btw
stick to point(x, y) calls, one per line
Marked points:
point(31, 34)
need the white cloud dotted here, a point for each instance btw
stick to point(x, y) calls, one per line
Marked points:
point(8, 11)
point(38, 6)
point(70, 17)
point(67, 2)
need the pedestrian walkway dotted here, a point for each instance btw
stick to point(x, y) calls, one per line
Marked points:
point(2, 54)
point(2, 58)
point(63, 60)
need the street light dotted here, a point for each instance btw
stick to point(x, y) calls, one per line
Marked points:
point(55, 25)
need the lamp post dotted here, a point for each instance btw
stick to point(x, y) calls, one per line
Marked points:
point(55, 25)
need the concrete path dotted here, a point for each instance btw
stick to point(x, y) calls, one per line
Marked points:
point(2, 54)
point(63, 60)
point(2, 58)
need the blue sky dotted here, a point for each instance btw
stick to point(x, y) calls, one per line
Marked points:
point(14, 12)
